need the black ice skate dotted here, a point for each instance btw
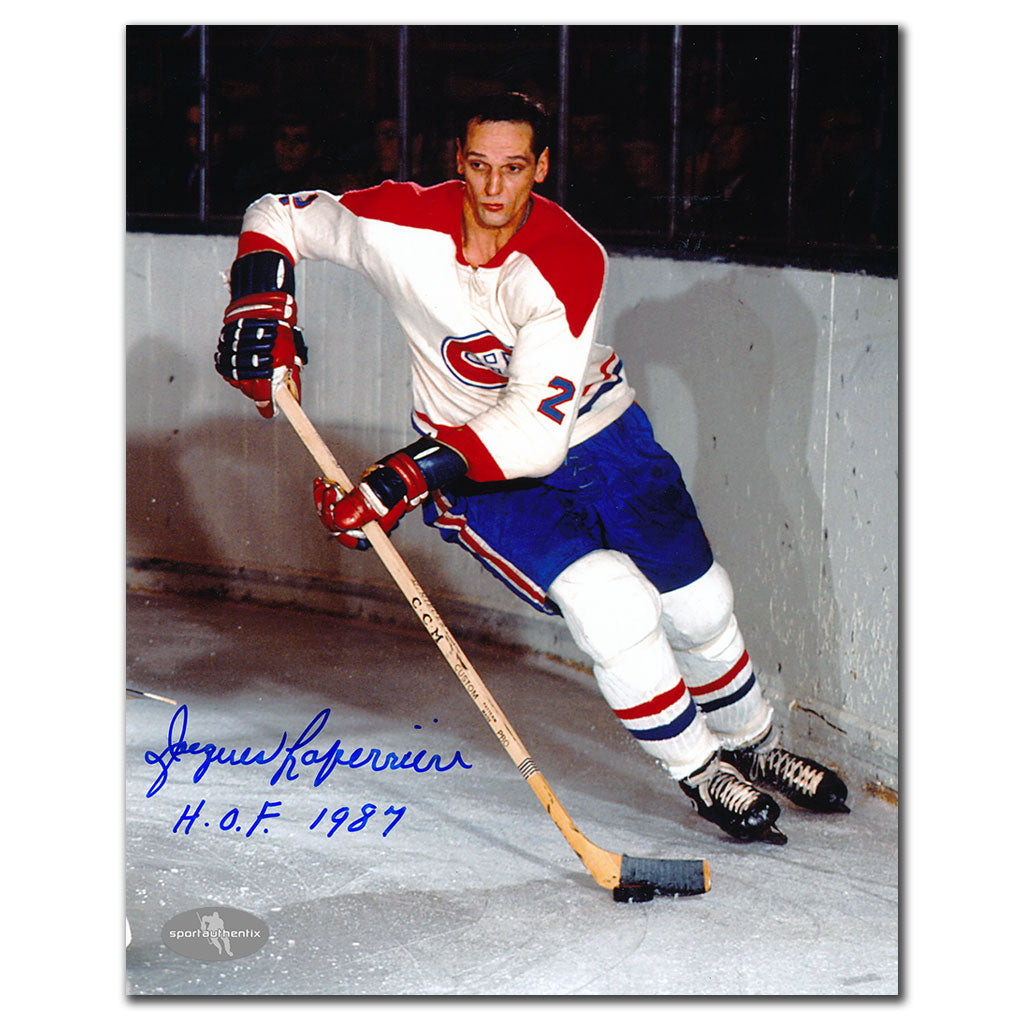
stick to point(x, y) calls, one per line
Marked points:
point(808, 784)
point(722, 796)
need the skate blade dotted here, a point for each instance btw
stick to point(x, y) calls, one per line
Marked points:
point(832, 807)
point(770, 834)
point(773, 837)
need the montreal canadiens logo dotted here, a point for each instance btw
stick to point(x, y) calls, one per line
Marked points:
point(479, 360)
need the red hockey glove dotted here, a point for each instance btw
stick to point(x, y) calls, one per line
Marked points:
point(345, 515)
point(387, 490)
point(260, 335)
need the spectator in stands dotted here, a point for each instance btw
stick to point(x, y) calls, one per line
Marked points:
point(645, 194)
point(592, 176)
point(296, 162)
point(839, 197)
point(735, 193)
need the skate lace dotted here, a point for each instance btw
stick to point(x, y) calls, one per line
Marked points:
point(791, 770)
point(732, 792)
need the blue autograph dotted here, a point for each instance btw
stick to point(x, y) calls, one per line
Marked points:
point(291, 755)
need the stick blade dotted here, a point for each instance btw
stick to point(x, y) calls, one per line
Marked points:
point(669, 877)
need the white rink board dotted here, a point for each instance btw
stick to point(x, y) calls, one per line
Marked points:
point(776, 390)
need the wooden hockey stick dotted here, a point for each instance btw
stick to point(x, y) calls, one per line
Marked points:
point(619, 872)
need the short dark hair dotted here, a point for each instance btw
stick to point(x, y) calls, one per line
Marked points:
point(509, 106)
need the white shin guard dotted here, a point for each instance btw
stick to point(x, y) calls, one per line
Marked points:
point(711, 655)
point(614, 614)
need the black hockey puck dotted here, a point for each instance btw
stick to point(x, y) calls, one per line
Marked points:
point(633, 892)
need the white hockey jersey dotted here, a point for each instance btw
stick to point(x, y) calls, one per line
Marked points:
point(504, 361)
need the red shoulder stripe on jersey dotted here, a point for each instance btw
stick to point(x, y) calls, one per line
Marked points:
point(482, 467)
point(253, 241)
point(567, 257)
point(435, 208)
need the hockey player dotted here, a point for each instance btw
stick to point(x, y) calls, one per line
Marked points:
point(532, 452)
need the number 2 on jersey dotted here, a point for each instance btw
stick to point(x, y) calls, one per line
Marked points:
point(564, 391)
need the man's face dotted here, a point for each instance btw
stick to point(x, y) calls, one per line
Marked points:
point(385, 146)
point(500, 170)
point(293, 148)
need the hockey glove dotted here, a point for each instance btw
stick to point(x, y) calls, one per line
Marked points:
point(387, 491)
point(260, 334)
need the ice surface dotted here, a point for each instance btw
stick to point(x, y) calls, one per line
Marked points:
point(473, 891)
